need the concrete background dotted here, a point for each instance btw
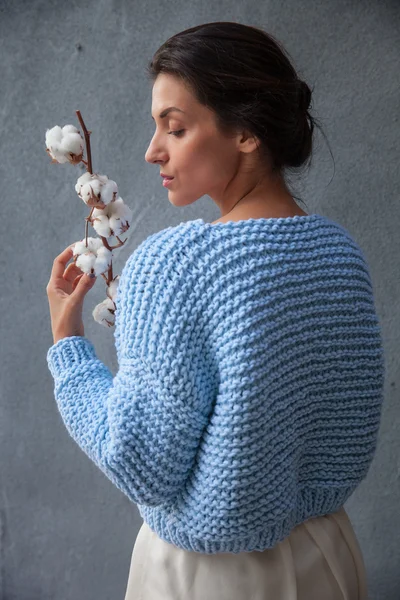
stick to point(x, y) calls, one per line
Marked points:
point(65, 531)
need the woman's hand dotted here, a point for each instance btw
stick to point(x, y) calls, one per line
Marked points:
point(66, 292)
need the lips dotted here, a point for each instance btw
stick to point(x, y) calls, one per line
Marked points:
point(165, 176)
point(167, 181)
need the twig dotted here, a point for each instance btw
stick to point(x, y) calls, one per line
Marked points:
point(87, 141)
point(88, 219)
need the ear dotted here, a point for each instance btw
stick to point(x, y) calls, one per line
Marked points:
point(247, 142)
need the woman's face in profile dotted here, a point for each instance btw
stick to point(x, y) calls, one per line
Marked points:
point(188, 146)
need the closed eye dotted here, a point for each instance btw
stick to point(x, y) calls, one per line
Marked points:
point(176, 133)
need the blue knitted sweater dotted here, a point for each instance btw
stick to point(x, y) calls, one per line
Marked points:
point(250, 380)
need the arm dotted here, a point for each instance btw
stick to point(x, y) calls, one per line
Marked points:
point(143, 427)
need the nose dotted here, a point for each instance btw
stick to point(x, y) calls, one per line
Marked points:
point(153, 154)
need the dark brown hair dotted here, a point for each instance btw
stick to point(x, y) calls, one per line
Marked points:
point(245, 76)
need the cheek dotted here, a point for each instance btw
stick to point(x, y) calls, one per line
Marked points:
point(205, 160)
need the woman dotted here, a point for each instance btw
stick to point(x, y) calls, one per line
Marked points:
point(247, 404)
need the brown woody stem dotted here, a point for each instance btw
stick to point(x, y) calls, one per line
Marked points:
point(88, 219)
point(87, 141)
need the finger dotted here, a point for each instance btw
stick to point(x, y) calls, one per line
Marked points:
point(71, 272)
point(76, 281)
point(84, 284)
point(59, 263)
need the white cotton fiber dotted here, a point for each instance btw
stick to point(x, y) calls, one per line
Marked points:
point(101, 224)
point(86, 262)
point(53, 135)
point(113, 288)
point(94, 257)
point(102, 313)
point(72, 143)
point(64, 145)
point(93, 245)
point(109, 191)
point(69, 129)
point(90, 190)
point(120, 217)
point(93, 188)
point(81, 181)
point(114, 219)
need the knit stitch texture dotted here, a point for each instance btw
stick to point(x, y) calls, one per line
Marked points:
point(250, 380)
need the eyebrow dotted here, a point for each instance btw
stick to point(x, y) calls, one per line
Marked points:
point(168, 110)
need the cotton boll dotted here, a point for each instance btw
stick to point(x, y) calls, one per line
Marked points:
point(69, 129)
point(101, 224)
point(101, 265)
point(90, 263)
point(120, 217)
point(96, 245)
point(72, 144)
point(80, 248)
point(103, 313)
point(57, 155)
point(81, 181)
point(113, 288)
point(99, 212)
point(86, 262)
point(103, 251)
point(104, 256)
point(64, 145)
point(114, 219)
point(93, 245)
point(117, 226)
point(93, 258)
point(120, 210)
point(102, 178)
point(53, 135)
point(103, 260)
point(96, 190)
point(90, 192)
point(109, 191)
point(84, 178)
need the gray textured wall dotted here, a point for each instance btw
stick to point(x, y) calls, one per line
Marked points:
point(65, 531)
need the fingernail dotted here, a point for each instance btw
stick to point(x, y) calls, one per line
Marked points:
point(92, 275)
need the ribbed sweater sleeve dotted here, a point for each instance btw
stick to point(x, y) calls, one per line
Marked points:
point(142, 427)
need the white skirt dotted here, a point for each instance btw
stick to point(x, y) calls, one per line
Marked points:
point(320, 560)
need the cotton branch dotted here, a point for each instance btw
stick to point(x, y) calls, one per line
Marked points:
point(89, 218)
point(109, 214)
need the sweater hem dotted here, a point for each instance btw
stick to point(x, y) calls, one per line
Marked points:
point(312, 502)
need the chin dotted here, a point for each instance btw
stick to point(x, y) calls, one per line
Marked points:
point(181, 200)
